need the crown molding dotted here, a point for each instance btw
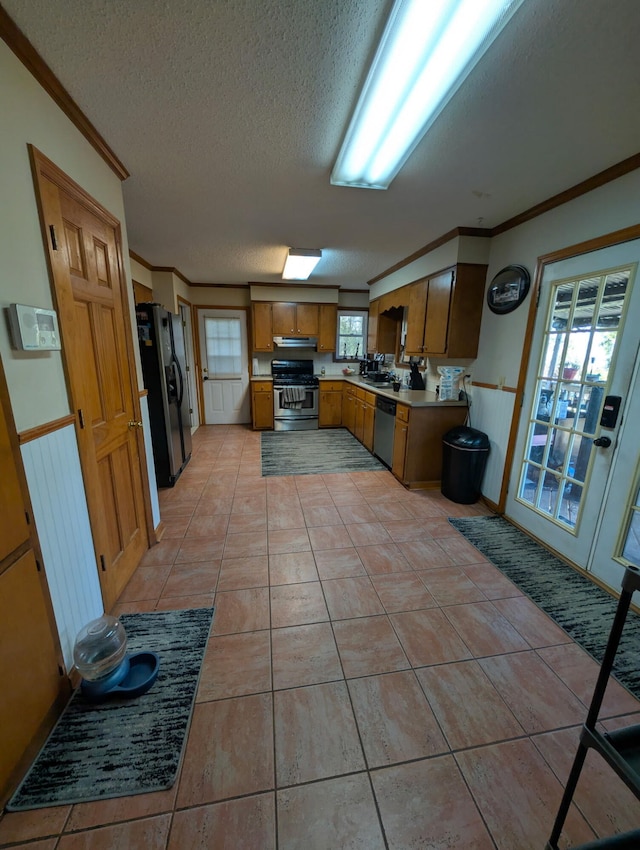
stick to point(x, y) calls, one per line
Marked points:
point(15, 39)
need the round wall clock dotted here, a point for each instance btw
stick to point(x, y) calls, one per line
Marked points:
point(508, 289)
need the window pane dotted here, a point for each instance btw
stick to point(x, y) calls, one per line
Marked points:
point(351, 334)
point(224, 347)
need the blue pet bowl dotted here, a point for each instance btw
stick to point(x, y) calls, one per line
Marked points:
point(131, 678)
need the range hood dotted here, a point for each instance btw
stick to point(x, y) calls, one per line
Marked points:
point(295, 342)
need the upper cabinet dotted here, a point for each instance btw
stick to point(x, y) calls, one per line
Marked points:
point(286, 318)
point(291, 319)
point(261, 314)
point(382, 330)
point(327, 327)
point(444, 313)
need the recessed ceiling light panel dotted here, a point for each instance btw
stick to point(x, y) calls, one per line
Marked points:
point(300, 263)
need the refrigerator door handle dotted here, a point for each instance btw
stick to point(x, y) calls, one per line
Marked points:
point(181, 390)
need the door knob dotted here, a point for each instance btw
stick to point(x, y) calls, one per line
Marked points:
point(134, 424)
point(602, 442)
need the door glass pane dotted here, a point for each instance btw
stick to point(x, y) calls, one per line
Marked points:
point(224, 347)
point(631, 543)
point(577, 354)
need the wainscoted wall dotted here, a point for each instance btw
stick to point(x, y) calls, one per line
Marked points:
point(52, 467)
point(153, 487)
point(491, 412)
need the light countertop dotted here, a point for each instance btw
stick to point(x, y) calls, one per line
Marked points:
point(412, 398)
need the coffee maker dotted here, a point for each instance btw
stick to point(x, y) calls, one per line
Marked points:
point(363, 367)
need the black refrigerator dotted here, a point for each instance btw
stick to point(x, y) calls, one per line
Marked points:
point(162, 352)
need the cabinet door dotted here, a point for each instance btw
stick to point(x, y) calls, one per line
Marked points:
point(372, 326)
point(416, 317)
point(330, 413)
point(437, 314)
point(358, 425)
point(262, 328)
point(328, 327)
point(400, 435)
point(348, 409)
point(307, 319)
point(284, 318)
point(368, 426)
point(13, 521)
point(262, 410)
point(28, 662)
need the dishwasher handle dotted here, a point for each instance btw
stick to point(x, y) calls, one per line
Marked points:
point(386, 405)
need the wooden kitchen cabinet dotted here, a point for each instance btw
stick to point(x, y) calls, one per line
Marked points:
point(290, 319)
point(417, 442)
point(349, 407)
point(262, 405)
point(31, 665)
point(330, 407)
point(382, 330)
point(444, 312)
point(262, 322)
point(369, 420)
point(328, 326)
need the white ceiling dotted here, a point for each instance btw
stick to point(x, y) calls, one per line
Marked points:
point(229, 115)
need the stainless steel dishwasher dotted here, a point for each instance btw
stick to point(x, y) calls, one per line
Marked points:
point(385, 424)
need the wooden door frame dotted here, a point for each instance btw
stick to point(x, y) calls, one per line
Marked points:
point(43, 168)
point(195, 324)
point(617, 237)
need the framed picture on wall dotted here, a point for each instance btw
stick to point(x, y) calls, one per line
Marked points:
point(508, 289)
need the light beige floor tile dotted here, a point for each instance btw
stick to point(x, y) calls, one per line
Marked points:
point(232, 825)
point(150, 833)
point(239, 573)
point(282, 541)
point(334, 813)
point(402, 592)
point(222, 735)
point(483, 628)
point(304, 655)
point(338, 563)
point(518, 795)
point(329, 537)
point(192, 579)
point(450, 586)
point(316, 735)
point(493, 583)
point(241, 611)
point(425, 554)
point(177, 603)
point(368, 645)
point(103, 812)
point(297, 604)
point(427, 637)
point(316, 515)
point(368, 533)
point(235, 665)
point(357, 513)
point(441, 815)
point(351, 597)
point(469, 709)
point(247, 544)
point(383, 558)
point(200, 549)
point(208, 526)
point(292, 567)
point(395, 721)
point(146, 583)
point(26, 826)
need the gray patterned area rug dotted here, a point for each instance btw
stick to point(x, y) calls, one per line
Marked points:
point(121, 747)
point(314, 453)
point(579, 606)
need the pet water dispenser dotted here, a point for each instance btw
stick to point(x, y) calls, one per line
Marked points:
point(100, 655)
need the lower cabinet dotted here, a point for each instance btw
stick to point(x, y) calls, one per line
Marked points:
point(330, 405)
point(349, 407)
point(358, 414)
point(262, 405)
point(417, 442)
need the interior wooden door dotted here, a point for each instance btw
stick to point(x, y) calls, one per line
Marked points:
point(83, 243)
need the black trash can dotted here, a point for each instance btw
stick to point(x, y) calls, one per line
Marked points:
point(464, 457)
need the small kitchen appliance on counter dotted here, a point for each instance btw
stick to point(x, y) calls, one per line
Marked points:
point(416, 381)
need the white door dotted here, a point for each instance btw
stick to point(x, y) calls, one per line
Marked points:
point(185, 316)
point(225, 366)
point(584, 351)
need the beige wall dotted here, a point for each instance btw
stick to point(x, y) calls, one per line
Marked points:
point(36, 380)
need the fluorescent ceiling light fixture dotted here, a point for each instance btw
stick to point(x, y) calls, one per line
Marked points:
point(427, 50)
point(300, 263)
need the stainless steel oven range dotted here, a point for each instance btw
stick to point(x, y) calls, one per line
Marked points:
point(295, 395)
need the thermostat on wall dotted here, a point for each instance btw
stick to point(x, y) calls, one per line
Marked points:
point(33, 328)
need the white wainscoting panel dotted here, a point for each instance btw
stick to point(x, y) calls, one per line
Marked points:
point(491, 412)
point(151, 468)
point(52, 468)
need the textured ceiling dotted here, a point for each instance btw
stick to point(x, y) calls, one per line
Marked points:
point(229, 115)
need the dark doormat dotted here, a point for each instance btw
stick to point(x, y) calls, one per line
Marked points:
point(121, 747)
point(315, 453)
point(577, 604)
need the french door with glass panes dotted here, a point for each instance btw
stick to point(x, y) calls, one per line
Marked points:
point(584, 351)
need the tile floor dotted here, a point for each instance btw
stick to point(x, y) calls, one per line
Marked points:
point(370, 682)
